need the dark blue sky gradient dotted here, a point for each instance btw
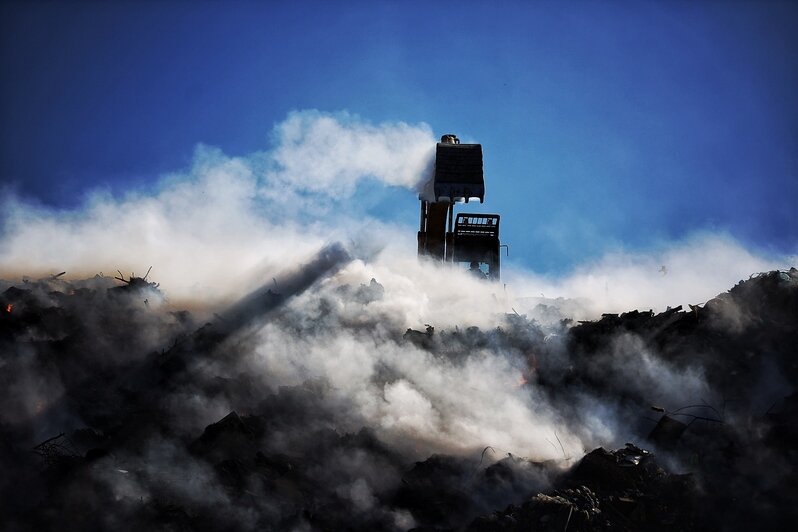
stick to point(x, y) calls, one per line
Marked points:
point(622, 124)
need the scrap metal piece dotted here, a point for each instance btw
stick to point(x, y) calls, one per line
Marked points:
point(56, 450)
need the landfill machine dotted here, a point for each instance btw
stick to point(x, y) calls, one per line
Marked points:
point(472, 239)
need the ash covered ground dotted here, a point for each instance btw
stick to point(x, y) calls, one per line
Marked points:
point(308, 405)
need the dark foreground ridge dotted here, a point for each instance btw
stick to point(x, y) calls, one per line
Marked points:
point(104, 399)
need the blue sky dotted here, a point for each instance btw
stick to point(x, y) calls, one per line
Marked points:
point(604, 125)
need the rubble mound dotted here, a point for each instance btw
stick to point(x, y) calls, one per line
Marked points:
point(122, 414)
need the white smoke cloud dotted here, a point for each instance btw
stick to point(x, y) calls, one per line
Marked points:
point(210, 232)
point(425, 401)
point(229, 224)
point(318, 152)
point(685, 272)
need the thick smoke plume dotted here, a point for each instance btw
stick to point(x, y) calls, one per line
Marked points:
point(231, 218)
point(293, 395)
point(330, 154)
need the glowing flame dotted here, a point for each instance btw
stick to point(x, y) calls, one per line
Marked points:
point(9, 308)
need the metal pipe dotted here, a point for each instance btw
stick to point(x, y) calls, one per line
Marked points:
point(449, 224)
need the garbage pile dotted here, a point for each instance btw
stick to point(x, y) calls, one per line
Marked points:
point(609, 490)
point(731, 455)
point(120, 413)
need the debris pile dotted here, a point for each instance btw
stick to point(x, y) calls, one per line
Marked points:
point(119, 413)
point(609, 490)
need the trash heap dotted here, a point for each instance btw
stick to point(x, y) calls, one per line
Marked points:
point(607, 490)
point(92, 373)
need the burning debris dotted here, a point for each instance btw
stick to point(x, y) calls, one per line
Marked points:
point(305, 407)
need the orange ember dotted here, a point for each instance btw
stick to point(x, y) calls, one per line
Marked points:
point(9, 308)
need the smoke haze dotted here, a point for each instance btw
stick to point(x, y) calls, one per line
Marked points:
point(333, 295)
point(226, 223)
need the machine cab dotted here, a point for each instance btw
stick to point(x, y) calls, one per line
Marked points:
point(476, 244)
point(474, 238)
